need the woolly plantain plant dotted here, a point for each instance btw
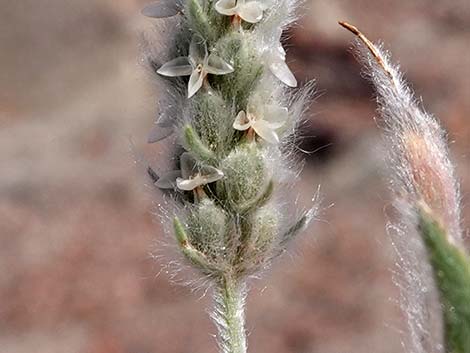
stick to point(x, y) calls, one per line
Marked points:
point(427, 198)
point(229, 108)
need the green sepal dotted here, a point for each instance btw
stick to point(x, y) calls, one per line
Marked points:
point(451, 268)
point(199, 21)
point(214, 122)
point(248, 69)
point(192, 254)
point(246, 176)
point(194, 144)
point(260, 201)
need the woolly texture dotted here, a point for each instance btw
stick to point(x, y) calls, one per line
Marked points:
point(428, 202)
point(234, 118)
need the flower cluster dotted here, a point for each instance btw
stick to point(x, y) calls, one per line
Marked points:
point(233, 116)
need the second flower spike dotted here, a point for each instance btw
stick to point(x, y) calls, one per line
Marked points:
point(197, 65)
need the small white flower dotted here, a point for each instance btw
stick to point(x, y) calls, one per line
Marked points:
point(199, 64)
point(162, 9)
point(190, 176)
point(264, 119)
point(275, 58)
point(249, 11)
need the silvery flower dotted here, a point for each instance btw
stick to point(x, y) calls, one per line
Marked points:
point(249, 11)
point(198, 65)
point(191, 175)
point(263, 119)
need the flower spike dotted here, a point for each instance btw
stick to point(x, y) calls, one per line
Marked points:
point(226, 199)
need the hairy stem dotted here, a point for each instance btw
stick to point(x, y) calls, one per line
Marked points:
point(452, 273)
point(229, 315)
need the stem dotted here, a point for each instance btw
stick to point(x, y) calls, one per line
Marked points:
point(229, 315)
point(451, 267)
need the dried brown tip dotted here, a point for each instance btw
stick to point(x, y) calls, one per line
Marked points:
point(372, 48)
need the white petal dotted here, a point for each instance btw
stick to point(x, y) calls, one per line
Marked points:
point(217, 66)
point(168, 180)
point(197, 50)
point(242, 122)
point(251, 12)
point(199, 180)
point(162, 9)
point(188, 165)
point(159, 133)
point(275, 116)
point(176, 67)
point(226, 7)
point(188, 184)
point(195, 82)
point(280, 69)
point(282, 52)
point(264, 131)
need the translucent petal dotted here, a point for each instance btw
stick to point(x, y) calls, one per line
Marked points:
point(168, 180)
point(217, 66)
point(275, 116)
point(195, 82)
point(198, 50)
point(264, 131)
point(188, 165)
point(166, 119)
point(280, 69)
point(226, 7)
point(162, 9)
point(251, 12)
point(242, 122)
point(176, 67)
point(159, 133)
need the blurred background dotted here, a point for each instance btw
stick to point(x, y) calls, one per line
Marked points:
point(76, 226)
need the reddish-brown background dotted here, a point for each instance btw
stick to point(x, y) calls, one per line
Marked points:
point(76, 227)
